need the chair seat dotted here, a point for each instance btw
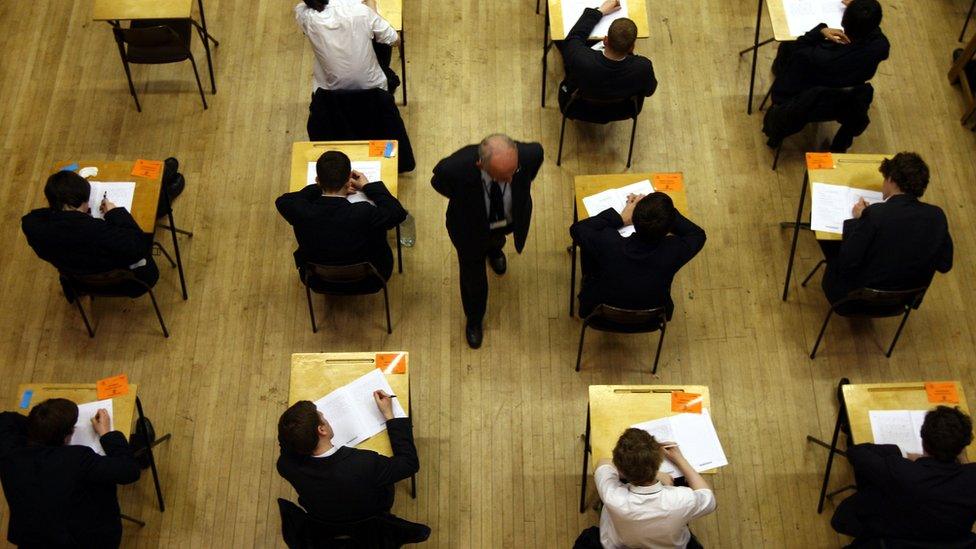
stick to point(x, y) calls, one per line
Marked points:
point(171, 53)
point(602, 112)
point(605, 325)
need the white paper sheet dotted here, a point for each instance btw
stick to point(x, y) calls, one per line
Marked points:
point(695, 435)
point(573, 9)
point(85, 434)
point(900, 427)
point(832, 205)
point(352, 411)
point(118, 193)
point(369, 168)
point(616, 199)
point(803, 15)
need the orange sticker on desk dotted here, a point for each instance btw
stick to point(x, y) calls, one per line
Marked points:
point(111, 387)
point(147, 168)
point(942, 392)
point(683, 402)
point(820, 161)
point(377, 148)
point(668, 182)
point(392, 363)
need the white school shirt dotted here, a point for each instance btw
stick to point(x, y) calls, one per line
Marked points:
point(342, 37)
point(647, 517)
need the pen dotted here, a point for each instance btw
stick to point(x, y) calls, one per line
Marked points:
point(105, 195)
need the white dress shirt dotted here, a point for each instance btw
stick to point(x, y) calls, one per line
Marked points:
point(328, 452)
point(647, 517)
point(506, 199)
point(342, 37)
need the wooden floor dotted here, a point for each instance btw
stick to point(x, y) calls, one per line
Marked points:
point(498, 429)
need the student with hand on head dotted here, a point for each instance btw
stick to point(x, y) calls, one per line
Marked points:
point(634, 272)
point(62, 496)
point(642, 508)
point(931, 497)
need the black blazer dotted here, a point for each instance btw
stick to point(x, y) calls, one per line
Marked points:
point(627, 272)
point(78, 243)
point(926, 499)
point(63, 495)
point(459, 179)
point(352, 484)
point(895, 245)
point(333, 231)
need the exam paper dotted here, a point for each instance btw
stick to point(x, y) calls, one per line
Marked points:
point(616, 199)
point(803, 15)
point(573, 9)
point(900, 427)
point(352, 411)
point(369, 168)
point(118, 193)
point(832, 205)
point(695, 435)
point(85, 434)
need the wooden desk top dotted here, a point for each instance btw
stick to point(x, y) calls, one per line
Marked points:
point(910, 395)
point(777, 18)
point(614, 408)
point(854, 170)
point(314, 375)
point(588, 185)
point(123, 407)
point(636, 11)
point(127, 10)
point(303, 152)
point(145, 201)
point(392, 11)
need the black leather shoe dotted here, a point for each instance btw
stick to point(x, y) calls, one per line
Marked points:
point(498, 262)
point(474, 333)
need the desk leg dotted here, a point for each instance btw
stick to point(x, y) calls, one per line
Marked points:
point(586, 457)
point(832, 449)
point(755, 55)
point(413, 477)
point(796, 233)
point(207, 38)
point(149, 446)
point(176, 247)
point(403, 67)
point(572, 267)
point(399, 251)
point(546, 44)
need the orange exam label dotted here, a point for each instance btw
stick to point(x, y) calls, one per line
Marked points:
point(942, 392)
point(112, 387)
point(668, 182)
point(820, 161)
point(683, 402)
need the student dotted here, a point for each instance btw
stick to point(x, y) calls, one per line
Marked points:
point(612, 73)
point(642, 508)
point(338, 484)
point(894, 245)
point(931, 497)
point(634, 272)
point(333, 231)
point(347, 36)
point(62, 496)
point(68, 237)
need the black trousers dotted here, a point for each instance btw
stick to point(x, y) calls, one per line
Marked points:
point(384, 56)
point(474, 277)
point(590, 539)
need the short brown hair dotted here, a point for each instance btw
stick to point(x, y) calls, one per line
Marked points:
point(946, 432)
point(908, 171)
point(298, 428)
point(637, 456)
point(51, 422)
point(622, 35)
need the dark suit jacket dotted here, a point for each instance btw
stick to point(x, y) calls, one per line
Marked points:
point(332, 231)
point(352, 484)
point(64, 495)
point(813, 61)
point(922, 500)
point(895, 245)
point(627, 272)
point(459, 179)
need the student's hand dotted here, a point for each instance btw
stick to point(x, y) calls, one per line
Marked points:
point(962, 458)
point(357, 180)
point(859, 208)
point(102, 423)
point(371, 4)
point(628, 214)
point(912, 456)
point(105, 206)
point(384, 403)
point(673, 453)
point(835, 35)
point(609, 6)
point(665, 479)
point(846, 2)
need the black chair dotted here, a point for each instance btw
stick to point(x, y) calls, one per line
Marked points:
point(965, 25)
point(890, 543)
point(625, 321)
point(155, 42)
point(165, 209)
point(107, 284)
point(355, 279)
point(301, 531)
point(872, 303)
point(600, 111)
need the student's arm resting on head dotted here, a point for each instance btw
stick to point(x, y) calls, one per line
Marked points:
point(691, 235)
point(292, 205)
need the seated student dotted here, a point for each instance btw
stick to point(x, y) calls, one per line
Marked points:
point(613, 73)
point(341, 484)
point(67, 236)
point(931, 497)
point(333, 231)
point(641, 505)
point(352, 44)
point(894, 245)
point(634, 272)
point(62, 496)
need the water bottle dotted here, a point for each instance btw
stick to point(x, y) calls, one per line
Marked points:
point(408, 231)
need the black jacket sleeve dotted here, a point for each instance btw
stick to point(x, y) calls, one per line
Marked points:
point(870, 462)
point(692, 237)
point(586, 233)
point(120, 235)
point(291, 205)
point(389, 470)
point(574, 48)
point(943, 257)
point(858, 235)
point(117, 466)
point(13, 432)
point(388, 212)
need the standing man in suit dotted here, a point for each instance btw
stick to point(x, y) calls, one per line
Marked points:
point(634, 272)
point(487, 187)
point(894, 245)
point(340, 484)
point(330, 229)
point(62, 496)
point(931, 497)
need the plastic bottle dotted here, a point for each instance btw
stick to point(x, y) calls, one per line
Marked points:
point(408, 231)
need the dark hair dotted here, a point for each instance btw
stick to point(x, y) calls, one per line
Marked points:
point(622, 35)
point(908, 171)
point(317, 5)
point(333, 169)
point(298, 428)
point(637, 456)
point(653, 217)
point(51, 421)
point(861, 18)
point(66, 189)
point(946, 432)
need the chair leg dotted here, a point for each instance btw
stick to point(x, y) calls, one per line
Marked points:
point(813, 272)
point(579, 352)
point(968, 17)
point(830, 458)
point(403, 68)
point(765, 98)
point(562, 132)
point(633, 134)
point(386, 302)
point(904, 319)
point(311, 310)
point(199, 85)
point(188, 234)
point(537, 2)
point(660, 343)
point(823, 329)
point(159, 315)
point(176, 251)
point(776, 158)
point(128, 76)
point(84, 317)
point(163, 251)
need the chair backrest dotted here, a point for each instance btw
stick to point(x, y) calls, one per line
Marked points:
point(614, 319)
point(879, 303)
point(160, 36)
point(301, 531)
point(343, 274)
point(968, 542)
point(583, 106)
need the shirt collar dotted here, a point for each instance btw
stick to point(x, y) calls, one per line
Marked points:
point(646, 490)
point(328, 452)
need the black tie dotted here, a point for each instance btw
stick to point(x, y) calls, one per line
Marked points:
point(496, 201)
